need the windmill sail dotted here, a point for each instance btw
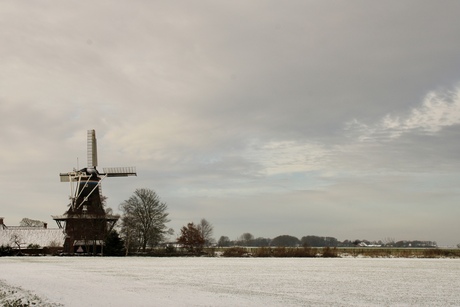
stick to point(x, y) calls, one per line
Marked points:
point(92, 149)
point(119, 171)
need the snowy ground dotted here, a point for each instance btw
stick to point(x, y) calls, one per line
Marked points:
point(74, 281)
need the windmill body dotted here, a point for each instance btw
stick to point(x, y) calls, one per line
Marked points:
point(86, 223)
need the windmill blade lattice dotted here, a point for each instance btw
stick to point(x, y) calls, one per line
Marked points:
point(92, 149)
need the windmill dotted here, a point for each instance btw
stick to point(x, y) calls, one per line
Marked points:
point(86, 223)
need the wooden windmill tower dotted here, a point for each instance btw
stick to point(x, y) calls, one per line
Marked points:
point(86, 223)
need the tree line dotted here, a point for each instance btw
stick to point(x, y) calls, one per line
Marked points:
point(247, 239)
point(143, 226)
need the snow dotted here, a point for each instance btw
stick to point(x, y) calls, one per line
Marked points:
point(32, 235)
point(15, 296)
point(130, 281)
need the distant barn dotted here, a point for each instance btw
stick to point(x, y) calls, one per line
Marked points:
point(20, 237)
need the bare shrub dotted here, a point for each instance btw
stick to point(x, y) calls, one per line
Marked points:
point(263, 252)
point(294, 252)
point(309, 251)
point(235, 252)
point(279, 251)
point(329, 252)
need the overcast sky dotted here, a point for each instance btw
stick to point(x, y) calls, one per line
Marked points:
point(329, 118)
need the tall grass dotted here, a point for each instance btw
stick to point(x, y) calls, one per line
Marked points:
point(373, 252)
point(279, 252)
point(307, 252)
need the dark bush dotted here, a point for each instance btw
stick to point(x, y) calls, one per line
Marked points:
point(6, 251)
point(114, 245)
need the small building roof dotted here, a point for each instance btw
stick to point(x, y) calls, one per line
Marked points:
point(31, 235)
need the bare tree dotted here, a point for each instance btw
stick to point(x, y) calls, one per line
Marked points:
point(16, 240)
point(144, 218)
point(246, 238)
point(388, 241)
point(224, 241)
point(26, 222)
point(191, 238)
point(206, 230)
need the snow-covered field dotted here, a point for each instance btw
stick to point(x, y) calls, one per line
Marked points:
point(74, 281)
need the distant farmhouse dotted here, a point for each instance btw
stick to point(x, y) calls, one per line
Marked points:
point(21, 237)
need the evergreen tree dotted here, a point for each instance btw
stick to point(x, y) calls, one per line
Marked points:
point(114, 245)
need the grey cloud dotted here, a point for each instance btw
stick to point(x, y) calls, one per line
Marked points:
point(239, 112)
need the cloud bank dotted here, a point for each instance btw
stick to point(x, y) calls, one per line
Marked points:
point(327, 118)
